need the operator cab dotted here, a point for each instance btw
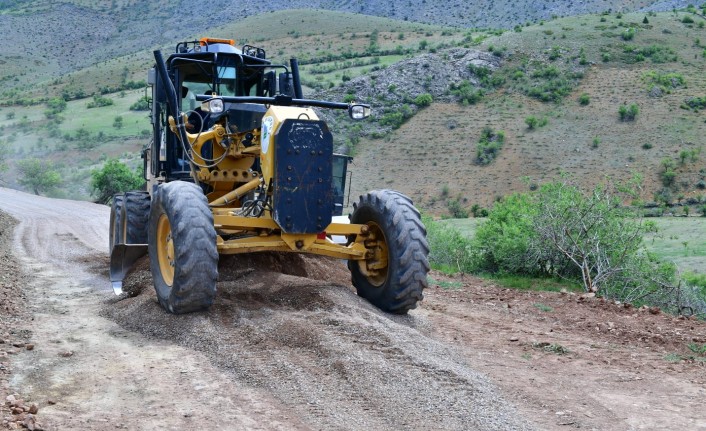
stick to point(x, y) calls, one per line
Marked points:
point(209, 67)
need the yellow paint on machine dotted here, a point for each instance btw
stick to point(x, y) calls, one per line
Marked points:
point(271, 122)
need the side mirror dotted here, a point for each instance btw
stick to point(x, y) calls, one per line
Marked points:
point(359, 111)
point(286, 84)
point(270, 83)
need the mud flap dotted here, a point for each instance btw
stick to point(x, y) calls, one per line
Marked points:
point(122, 257)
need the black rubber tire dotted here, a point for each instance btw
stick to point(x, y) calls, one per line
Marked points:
point(407, 249)
point(135, 216)
point(116, 223)
point(193, 238)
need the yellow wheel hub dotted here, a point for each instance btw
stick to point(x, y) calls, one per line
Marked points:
point(374, 267)
point(165, 249)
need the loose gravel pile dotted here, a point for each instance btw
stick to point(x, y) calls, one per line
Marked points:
point(293, 326)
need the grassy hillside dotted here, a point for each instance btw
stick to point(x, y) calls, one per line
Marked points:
point(589, 141)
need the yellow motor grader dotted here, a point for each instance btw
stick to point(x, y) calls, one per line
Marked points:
point(240, 163)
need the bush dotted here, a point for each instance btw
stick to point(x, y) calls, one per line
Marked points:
point(99, 101)
point(696, 103)
point(466, 93)
point(143, 104)
point(584, 99)
point(489, 145)
point(629, 33)
point(448, 249)
point(668, 177)
point(628, 113)
point(423, 100)
point(456, 210)
point(114, 177)
point(531, 122)
point(563, 231)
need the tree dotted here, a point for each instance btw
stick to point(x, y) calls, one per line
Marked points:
point(114, 177)
point(590, 230)
point(39, 175)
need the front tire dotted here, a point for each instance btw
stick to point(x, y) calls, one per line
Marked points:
point(182, 248)
point(394, 273)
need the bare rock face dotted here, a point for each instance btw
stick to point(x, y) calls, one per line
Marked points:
point(432, 73)
point(394, 88)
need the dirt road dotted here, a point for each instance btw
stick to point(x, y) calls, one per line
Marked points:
point(288, 345)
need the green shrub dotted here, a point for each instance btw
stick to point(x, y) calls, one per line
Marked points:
point(478, 211)
point(696, 103)
point(114, 177)
point(456, 210)
point(628, 113)
point(668, 177)
point(99, 101)
point(448, 250)
point(584, 99)
point(143, 104)
point(489, 145)
point(395, 119)
point(560, 230)
point(531, 122)
point(423, 100)
point(554, 53)
point(466, 93)
point(628, 33)
point(665, 81)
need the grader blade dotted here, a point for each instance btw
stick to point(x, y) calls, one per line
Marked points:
point(122, 258)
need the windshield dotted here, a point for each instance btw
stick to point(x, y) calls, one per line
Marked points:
point(226, 77)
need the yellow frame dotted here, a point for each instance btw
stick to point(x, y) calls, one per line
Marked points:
point(267, 236)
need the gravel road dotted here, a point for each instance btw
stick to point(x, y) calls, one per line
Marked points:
point(287, 345)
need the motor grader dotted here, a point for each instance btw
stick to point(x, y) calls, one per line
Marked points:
point(239, 162)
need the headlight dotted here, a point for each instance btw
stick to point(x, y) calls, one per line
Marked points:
point(214, 106)
point(359, 112)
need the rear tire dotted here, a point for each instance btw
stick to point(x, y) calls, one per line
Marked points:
point(116, 223)
point(395, 272)
point(182, 248)
point(135, 217)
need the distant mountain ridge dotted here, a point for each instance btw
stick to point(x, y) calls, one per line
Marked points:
point(58, 37)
